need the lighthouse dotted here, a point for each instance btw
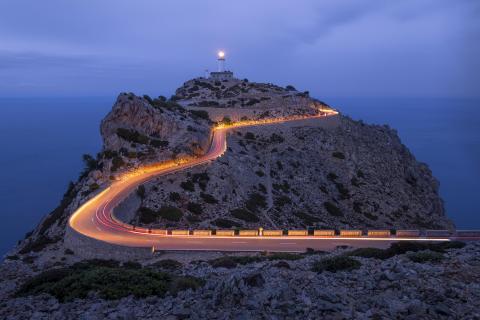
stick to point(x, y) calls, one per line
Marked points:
point(221, 74)
point(221, 61)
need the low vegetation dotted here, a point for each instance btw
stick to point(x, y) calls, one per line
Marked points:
point(425, 256)
point(337, 263)
point(244, 214)
point(167, 264)
point(233, 261)
point(403, 247)
point(225, 223)
point(147, 215)
point(106, 278)
point(332, 209)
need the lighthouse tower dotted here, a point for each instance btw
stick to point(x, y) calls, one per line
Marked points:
point(221, 74)
point(221, 61)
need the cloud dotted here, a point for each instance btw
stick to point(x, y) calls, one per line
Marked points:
point(90, 46)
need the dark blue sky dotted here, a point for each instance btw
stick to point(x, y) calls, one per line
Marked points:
point(408, 48)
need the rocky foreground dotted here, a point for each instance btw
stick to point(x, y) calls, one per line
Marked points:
point(441, 284)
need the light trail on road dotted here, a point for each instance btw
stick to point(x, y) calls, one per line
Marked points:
point(95, 218)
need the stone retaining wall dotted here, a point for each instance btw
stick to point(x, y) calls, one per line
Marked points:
point(90, 248)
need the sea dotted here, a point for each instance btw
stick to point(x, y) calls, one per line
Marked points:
point(42, 141)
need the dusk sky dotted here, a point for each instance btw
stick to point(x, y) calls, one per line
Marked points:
point(408, 48)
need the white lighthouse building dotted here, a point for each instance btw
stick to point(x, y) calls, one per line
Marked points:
point(221, 73)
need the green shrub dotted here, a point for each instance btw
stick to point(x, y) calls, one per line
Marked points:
point(141, 191)
point(117, 163)
point(147, 215)
point(184, 283)
point(225, 223)
point(260, 173)
point(132, 136)
point(403, 247)
point(159, 143)
point(132, 265)
point(249, 136)
point(284, 256)
point(338, 155)
point(38, 244)
point(244, 215)
point(425, 256)
point(332, 176)
point(195, 208)
point(306, 218)
point(337, 263)
point(332, 209)
point(276, 138)
point(282, 201)
point(255, 200)
point(208, 198)
point(188, 185)
point(168, 264)
point(371, 253)
point(233, 261)
point(226, 120)
point(108, 280)
point(170, 213)
point(200, 114)
point(174, 196)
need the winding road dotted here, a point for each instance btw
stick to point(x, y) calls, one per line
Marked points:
point(95, 218)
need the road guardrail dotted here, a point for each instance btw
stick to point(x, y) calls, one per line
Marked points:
point(202, 232)
point(272, 233)
point(225, 233)
point(350, 233)
point(248, 233)
point(378, 233)
point(324, 233)
point(297, 233)
point(408, 233)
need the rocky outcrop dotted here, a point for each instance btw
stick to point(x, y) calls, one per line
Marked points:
point(144, 130)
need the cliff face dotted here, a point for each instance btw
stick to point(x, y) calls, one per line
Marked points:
point(327, 173)
point(156, 130)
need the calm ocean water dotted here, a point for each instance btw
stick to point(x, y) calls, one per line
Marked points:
point(42, 140)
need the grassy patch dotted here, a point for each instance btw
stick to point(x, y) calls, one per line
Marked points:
point(107, 279)
point(337, 263)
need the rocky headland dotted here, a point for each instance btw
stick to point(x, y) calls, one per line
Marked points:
point(329, 173)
